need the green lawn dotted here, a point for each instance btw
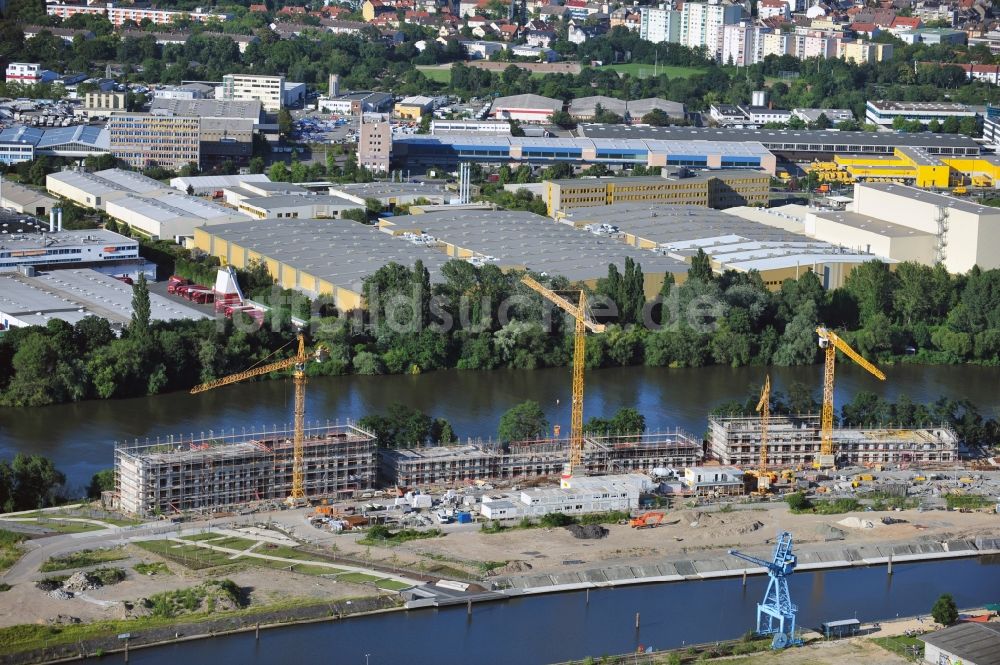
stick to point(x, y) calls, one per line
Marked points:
point(645, 71)
point(233, 543)
point(10, 548)
point(392, 585)
point(189, 556)
point(908, 647)
point(82, 559)
point(435, 74)
point(68, 527)
point(202, 536)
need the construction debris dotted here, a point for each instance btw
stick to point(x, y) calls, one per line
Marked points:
point(588, 531)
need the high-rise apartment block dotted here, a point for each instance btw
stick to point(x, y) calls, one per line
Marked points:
point(375, 146)
point(142, 140)
point(659, 24)
point(702, 24)
point(268, 90)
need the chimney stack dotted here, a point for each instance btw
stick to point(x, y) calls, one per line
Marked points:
point(59, 219)
point(52, 220)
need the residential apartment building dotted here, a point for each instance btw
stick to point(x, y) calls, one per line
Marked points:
point(142, 140)
point(118, 15)
point(660, 24)
point(702, 24)
point(864, 52)
point(743, 43)
point(814, 44)
point(28, 73)
point(777, 43)
point(268, 90)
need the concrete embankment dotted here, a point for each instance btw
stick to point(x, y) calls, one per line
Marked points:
point(718, 564)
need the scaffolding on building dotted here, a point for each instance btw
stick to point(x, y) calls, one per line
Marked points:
point(796, 440)
point(494, 461)
point(212, 472)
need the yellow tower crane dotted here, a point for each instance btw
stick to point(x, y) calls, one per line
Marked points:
point(583, 324)
point(297, 497)
point(764, 409)
point(830, 342)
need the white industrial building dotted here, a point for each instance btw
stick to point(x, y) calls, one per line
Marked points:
point(74, 294)
point(92, 247)
point(585, 495)
point(24, 200)
point(169, 215)
point(910, 224)
point(884, 113)
point(236, 194)
point(525, 108)
point(292, 205)
point(202, 185)
point(94, 190)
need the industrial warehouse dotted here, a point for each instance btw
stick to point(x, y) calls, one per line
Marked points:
point(315, 256)
point(209, 473)
point(522, 240)
point(794, 441)
point(602, 455)
point(731, 242)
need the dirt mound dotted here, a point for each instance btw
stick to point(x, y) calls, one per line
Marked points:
point(126, 610)
point(588, 532)
point(511, 567)
point(828, 533)
point(750, 528)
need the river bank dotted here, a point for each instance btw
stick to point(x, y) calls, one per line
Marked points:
point(79, 438)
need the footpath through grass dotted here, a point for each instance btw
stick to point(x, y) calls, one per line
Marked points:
point(641, 70)
point(82, 559)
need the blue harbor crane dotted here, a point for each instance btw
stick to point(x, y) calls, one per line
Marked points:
point(776, 613)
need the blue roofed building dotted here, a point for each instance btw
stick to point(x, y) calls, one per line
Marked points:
point(21, 144)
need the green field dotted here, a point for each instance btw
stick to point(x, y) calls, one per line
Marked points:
point(435, 74)
point(645, 71)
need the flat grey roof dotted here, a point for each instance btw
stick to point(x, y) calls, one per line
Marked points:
point(290, 200)
point(216, 181)
point(977, 643)
point(62, 239)
point(111, 180)
point(681, 230)
point(868, 223)
point(341, 252)
point(74, 294)
point(924, 196)
point(666, 145)
point(523, 239)
point(21, 195)
point(207, 108)
point(170, 205)
point(380, 190)
point(887, 105)
point(774, 138)
point(526, 101)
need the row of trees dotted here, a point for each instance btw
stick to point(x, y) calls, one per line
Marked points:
point(479, 317)
point(29, 482)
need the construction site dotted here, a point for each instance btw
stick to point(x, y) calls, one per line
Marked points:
point(211, 473)
point(795, 441)
point(494, 461)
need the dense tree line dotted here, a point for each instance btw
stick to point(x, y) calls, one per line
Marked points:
point(29, 482)
point(479, 317)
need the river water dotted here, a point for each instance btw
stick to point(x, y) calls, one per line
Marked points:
point(80, 437)
point(559, 627)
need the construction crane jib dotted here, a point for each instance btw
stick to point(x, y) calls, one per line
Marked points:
point(830, 343)
point(583, 323)
point(298, 361)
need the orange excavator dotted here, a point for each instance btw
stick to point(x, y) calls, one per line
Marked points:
point(647, 520)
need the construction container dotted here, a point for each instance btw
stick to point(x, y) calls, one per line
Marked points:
point(463, 517)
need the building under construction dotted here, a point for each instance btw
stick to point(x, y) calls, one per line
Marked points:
point(795, 441)
point(545, 457)
point(217, 472)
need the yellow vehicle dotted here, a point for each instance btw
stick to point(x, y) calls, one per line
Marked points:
point(960, 190)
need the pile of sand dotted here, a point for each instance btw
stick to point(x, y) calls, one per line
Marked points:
point(856, 523)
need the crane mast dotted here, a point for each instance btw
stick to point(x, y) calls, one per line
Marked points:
point(830, 342)
point(764, 409)
point(297, 496)
point(582, 324)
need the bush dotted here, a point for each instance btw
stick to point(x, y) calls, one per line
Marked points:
point(553, 520)
point(798, 502)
